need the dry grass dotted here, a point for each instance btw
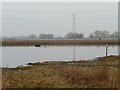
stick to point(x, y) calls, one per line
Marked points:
point(60, 42)
point(99, 73)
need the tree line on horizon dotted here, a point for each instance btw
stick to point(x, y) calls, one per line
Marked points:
point(69, 35)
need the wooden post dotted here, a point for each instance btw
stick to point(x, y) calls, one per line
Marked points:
point(106, 50)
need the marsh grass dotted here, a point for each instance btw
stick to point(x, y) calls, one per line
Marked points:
point(100, 73)
point(60, 42)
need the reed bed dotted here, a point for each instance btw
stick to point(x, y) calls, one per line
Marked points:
point(60, 42)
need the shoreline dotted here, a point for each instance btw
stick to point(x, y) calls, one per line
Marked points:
point(97, 59)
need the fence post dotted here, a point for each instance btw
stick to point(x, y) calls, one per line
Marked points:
point(106, 50)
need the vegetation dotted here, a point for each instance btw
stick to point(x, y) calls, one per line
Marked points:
point(69, 35)
point(61, 42)
point(100, 34)
point(72, 35)
point(46, 36)
point(101, 73)
point(104, 34)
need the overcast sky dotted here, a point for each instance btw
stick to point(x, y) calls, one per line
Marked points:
point(56, 18)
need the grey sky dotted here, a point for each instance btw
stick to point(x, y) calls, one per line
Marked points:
point(35, 18)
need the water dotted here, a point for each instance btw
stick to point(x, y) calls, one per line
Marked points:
point(15, 56)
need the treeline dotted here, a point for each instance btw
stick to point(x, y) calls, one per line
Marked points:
point(69, 35)
point(103, 34)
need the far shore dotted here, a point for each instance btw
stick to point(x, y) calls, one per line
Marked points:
point(60, 42)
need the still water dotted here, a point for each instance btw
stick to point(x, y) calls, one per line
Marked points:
point(15, 56)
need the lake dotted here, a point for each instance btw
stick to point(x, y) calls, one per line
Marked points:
point(15, 56)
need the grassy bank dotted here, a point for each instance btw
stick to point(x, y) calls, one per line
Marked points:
point(102, 72)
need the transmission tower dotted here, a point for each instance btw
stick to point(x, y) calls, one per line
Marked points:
point(74, 23)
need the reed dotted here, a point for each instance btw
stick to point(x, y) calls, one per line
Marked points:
point(60, 42)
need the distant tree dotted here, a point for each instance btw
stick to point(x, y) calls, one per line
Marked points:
point(46, 36)
point(32, 36)
point(60, 37)
point(114, 35)
point(72, 35)
point(92, 35)
point(100, 34)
